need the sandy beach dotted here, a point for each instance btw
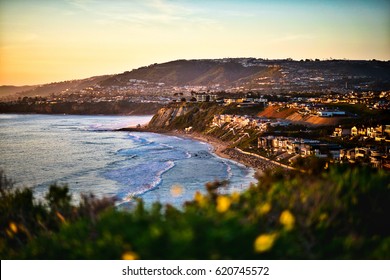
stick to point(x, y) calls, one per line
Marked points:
point(222, 149)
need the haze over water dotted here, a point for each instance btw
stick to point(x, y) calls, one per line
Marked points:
point(84, 152)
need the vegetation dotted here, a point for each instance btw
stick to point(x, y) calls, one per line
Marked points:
point(337, 213)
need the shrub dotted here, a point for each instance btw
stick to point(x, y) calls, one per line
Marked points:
point(341, 213)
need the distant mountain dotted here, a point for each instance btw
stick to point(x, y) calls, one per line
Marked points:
point(229, 74)
point(249, 73)
point(52, 88)
point(191, 72)
point(9, 90)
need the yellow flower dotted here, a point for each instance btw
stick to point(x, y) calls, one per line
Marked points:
point(176, 190)
point(264, 242)
point(200, 199)
point(323, 217)
point(287, 220)
point(223, 203)
point(13, 227)
point(264, 208)
point(130, 256)
point(235, 197)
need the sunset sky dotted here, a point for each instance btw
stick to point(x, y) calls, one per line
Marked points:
point(55, 40)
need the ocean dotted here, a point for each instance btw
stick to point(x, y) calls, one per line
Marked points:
point(86, 153)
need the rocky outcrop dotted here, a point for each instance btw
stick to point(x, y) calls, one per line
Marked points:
point(164, 117)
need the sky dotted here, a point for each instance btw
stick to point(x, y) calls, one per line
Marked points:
point(43, 41)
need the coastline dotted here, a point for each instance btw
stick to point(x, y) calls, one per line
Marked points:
point(220, 148)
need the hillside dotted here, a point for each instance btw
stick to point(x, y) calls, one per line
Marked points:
point(189, 72)
point(59, 87)
point(9, 90)
point(230, 74)
point(292, 114)
point(255, 73)
point(52, 88)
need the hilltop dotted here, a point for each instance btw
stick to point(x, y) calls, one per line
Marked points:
point(228, 75)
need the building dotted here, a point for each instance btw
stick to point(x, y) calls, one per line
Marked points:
point(206, 97)
point(341, 131)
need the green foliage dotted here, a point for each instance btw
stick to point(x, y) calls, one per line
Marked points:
point(341, 213)
point(24, 219)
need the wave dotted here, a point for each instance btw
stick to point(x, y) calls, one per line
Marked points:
point(155, 152)
point(139, 140)
point(228, 170)
point(140, 179)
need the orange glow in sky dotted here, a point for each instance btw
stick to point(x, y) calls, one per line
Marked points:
point(48, 41)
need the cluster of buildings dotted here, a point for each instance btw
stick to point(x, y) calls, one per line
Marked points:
point(290, 149)
point(287, 148)
point(239, 122)
point(240, 102)
point(371, 100)
point(378, 133)
point(368, 155)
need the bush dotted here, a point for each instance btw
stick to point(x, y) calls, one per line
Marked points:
point(24, 219)
point(341, 213)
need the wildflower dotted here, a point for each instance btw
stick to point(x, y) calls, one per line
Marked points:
point(200, 199)
point(13, 227)
point(235, 197)
point(264, 208)
point(264, 242)
point(176, 190)
point(223, 203)
point(323, 217)
point(287, 220)
point(129, 256)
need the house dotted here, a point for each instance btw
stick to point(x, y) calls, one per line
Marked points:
point(373, 132)
point(362, 131)
point(264, 142)
point(362, 153)
point(354, 131)
point(340, 132)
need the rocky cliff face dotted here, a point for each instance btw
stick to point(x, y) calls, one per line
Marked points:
point(182, 116)
point(165, 116)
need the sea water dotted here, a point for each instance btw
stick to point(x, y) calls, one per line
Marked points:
point(87, 154)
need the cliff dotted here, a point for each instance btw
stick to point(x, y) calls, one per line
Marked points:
point(181, 116)
point(165, 116)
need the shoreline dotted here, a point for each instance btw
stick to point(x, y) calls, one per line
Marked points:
point(220, 148)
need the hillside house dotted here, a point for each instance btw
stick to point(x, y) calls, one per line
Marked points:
point(206, 97)
point(341, 131)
